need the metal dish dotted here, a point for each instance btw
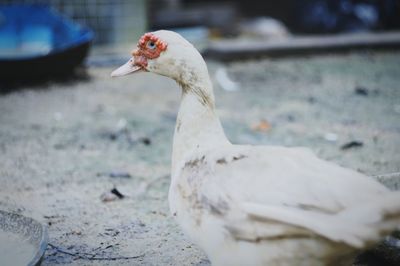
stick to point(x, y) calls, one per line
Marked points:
point(23, 240)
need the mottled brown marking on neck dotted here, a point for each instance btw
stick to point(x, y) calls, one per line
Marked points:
point(188, 79)
point(203, 97)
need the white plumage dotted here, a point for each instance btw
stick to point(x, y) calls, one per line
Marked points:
point(259, 205)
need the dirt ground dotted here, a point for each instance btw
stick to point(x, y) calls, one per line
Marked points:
point(64, 147)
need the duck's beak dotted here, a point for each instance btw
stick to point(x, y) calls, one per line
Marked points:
point(126, 69)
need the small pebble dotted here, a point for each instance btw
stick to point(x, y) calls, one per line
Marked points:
point(146, 141)
point(291, 118)
point(352, 144)
point(331, 137)
point(117, 193)
point(262, 126)
point(361, 91)
point(112, 195)
point(311, 99)
point(122, 123)
point(113, 136)
point(120, 174)
point(108, 196)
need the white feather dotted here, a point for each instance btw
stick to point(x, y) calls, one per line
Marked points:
point(252, 205)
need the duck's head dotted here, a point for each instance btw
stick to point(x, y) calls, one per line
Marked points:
point(165, 53)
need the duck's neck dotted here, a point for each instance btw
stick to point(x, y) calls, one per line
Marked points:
point(197, 125)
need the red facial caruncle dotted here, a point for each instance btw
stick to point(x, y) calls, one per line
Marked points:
point(149, 47)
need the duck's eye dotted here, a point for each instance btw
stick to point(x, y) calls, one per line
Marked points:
point(151, 45)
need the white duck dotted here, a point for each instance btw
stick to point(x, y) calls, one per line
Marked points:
point(257, 205)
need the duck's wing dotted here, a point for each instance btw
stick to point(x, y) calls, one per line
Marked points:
point(291, 190)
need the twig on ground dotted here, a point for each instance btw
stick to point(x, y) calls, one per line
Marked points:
point(88, 256)
point(155, 180)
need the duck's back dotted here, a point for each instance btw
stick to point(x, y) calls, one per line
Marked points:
point(258, 195)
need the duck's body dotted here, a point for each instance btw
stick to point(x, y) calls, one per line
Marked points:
point(247, 205)
point(259, 205)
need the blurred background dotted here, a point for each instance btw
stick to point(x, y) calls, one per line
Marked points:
point(35, 34)
point(122, 21)
point(89, 156)
point(68, 29)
